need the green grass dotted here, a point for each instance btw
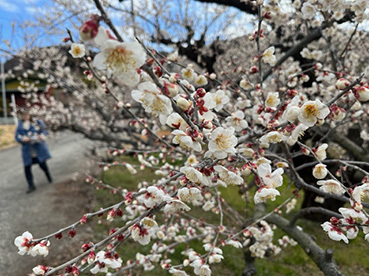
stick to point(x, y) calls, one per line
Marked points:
point(352, 259)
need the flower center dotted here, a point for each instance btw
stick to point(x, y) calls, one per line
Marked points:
point(120, 59)
point(222, 141)
point(311, 110)
point(271, 101)
point(77, 51)
point(218, 100)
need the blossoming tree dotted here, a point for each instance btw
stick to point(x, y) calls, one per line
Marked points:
point(251, 122)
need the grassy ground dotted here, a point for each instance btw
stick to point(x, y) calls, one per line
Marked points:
point(352, 259)
point(7, 136)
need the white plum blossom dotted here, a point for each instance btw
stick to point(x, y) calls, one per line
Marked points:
point(272, 137)
point(121, 59)
point(77, 50)
point(222, 142)
point(245, 84)
point(200, 268)
point(269, 57)
point(308, 11)
point(311, 111)
point(350, 213)
point(227, 176)
point(140, 234)
point(292, 110)
point(195, 176)
point(177, 272)
point(272, 99)
point(190, 194)
point(220, 99)
point(105, 260)
point(337, 113)
point(131, 169)
point(143, 232)
point(41, 248)
point(188, 73)
point(215, 258)
point(102, 36)
point(209, 101)
point(295, 134)
point(174, 206)
point(24, 243)
point(175, 120)
point(286, 240)
point(291, 205)
point(291, 114)
point(40, 270)
point(331, 186)
point(154, 196)
point(361, 192)
point(153, 101)
point(320, 152)
point(333, 232)
point(270, 179)
point(185, 141)
point(191, 160)
point(265, 193)
point(234, 243)
point(208, 205)
point(201, 80)
point(236, 120)
point(320, 171)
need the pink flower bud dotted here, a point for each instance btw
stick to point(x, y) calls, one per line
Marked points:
point(254, 70)
point(362, 93)
point(89, 29)
point(342, 83)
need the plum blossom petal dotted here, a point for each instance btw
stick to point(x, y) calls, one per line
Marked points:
point(222, 142)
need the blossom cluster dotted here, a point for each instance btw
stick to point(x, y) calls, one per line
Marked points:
point(205, 135)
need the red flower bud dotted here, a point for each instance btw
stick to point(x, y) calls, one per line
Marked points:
point(72, 233)
point(89, 29)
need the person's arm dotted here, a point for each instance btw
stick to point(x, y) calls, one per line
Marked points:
point(42, 133)
point(43, 127)
point(20, 138)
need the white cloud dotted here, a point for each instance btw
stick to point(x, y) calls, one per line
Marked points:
point(31, 10)
point(28, 1)
point(7, 6)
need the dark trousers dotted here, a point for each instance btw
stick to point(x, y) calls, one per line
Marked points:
point(28, 171)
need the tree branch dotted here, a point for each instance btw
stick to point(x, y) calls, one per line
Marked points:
point(248, 7)
point(314, 35)
point(107, 20)
point(323, 259)
point(353, 149)
point(311, 210)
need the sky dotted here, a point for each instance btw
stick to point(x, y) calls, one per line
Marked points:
point(15, 10)
point(20, 10)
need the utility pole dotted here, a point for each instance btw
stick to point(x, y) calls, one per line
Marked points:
point(14, 109)
point(3, 90)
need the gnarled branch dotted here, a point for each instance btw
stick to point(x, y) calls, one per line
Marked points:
point(322, 258)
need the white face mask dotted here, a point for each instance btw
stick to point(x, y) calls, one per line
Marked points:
point(26, 124)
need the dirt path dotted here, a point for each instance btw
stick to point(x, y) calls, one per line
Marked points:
point(49, 208)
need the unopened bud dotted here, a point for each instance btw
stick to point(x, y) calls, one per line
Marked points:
point(89, 29)
point(183, 104)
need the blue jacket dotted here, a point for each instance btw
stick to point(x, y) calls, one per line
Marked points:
point(40, 148)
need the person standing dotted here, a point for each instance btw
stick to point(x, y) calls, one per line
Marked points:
point(34, 149)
